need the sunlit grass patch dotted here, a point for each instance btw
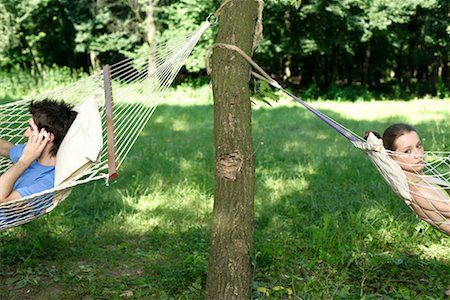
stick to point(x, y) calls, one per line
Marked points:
point(184, 95)
point(439, 251)
point(18, 84)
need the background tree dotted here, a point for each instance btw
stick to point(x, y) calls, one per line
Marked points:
point(371, 43)
point(319, 48)
point(229, 271)
point(39, 33)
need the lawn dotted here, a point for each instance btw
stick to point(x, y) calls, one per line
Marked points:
point(326, 224)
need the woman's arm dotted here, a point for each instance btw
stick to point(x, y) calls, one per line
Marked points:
point(431, 198)
point(432, 205)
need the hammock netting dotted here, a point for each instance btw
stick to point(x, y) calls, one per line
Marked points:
point(425, 188)
point(136, 86)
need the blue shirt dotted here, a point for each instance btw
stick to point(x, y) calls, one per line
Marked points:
point(36, 178)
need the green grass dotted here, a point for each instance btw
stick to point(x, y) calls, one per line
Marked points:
point(326, 225)
point(17, 84)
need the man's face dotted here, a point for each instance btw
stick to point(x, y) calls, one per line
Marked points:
point(31, 130)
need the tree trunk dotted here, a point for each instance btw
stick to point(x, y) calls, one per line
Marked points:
point(229, 270)
point(35, 65)
point(150, 35)
point(366, 65)
point(444, 73)
point(150, 26)
point(332, 66)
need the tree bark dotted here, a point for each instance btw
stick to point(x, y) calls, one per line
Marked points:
point(150, 26)
point(229, 269)
point(444, 73)
point(366, 64)
point(150, 35)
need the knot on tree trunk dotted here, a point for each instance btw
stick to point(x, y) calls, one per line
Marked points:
point(228, 165)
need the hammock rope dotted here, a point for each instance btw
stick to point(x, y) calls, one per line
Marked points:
point(136, 87)
point(347, 133)
point(427, 194)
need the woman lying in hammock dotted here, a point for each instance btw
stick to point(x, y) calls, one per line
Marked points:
point(430, 198)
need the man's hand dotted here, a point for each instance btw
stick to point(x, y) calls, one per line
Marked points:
point(34, 147)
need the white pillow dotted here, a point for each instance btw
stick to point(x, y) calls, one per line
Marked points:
point(82, 144)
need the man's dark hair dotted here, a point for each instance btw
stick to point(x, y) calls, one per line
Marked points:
point(55, 117)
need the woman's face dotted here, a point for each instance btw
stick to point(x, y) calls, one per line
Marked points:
point(409, 152)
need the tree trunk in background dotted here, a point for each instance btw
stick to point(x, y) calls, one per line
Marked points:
point(332, 67)
point(138, 8)
point(365, 75)
point(445, 53)
point(150, 34)
point(95, 64)
point(444, 73)
point(150, 23)
point(35, 65)
point(229, 269)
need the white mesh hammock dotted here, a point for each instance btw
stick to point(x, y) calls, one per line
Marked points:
point(427, 193)
point(126, 94)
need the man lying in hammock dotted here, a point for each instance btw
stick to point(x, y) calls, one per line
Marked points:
point(430, 197)
point(33, 169)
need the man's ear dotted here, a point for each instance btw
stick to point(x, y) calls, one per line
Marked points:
point(52, 136)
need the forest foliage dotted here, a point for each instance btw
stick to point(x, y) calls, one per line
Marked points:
point(394, 47)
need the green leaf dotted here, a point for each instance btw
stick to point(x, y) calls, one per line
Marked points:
point(296, 3)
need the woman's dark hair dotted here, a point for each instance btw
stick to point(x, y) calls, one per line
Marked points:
point(391, 134)
point(55, 117)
